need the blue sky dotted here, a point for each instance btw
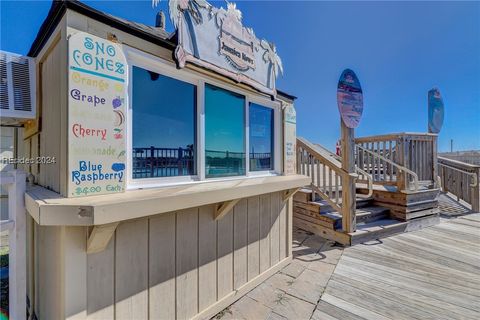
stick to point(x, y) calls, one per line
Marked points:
point(399, 50)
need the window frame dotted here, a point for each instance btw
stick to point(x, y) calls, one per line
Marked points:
point(156, 64)
point(277, 141)
point(245, 127)
point(149, 62)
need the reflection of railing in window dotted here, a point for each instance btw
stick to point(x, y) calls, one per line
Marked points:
point(265, 155)
point(260, 161)
point(168, 162)
point(162, 162)
point(221, 163)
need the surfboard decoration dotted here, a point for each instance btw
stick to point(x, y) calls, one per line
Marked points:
point(350, 98)
point(436, 111)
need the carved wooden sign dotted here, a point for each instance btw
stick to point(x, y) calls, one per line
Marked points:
point(350, 98)
point(215, 38)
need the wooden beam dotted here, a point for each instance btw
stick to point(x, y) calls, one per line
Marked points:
point(100, 236)
point(434, 162)
point(17, 241)
point(221, 209)
point(287, 194)
point(330, 234)
point(349, 206)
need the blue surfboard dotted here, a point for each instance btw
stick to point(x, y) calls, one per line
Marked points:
point(436, 111)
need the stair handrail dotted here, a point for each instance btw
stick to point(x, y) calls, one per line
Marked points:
point(460, 179)
point(369, 179)
point(396, 165)
point(326, 160)
point(474, 176)
point(326, 157)
point(321, 152)
point(359, 171)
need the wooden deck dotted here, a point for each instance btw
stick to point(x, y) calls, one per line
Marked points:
point(433, 273)
point(429, 274)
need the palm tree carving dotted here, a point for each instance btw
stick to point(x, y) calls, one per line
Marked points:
point(270, 56)
point(191, 10)
point(185, 14)
point(175, 7)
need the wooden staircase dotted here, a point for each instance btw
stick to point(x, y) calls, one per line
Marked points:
point(373, 220)
point(320, 218)
point(389, 198)
point(405, 206)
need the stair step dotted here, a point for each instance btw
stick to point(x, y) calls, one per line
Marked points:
point(371, 213)
point(376, 230)
point(333, 219)
point(325, 207)
point(304, 195)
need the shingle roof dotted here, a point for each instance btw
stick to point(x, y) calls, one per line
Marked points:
point(58, 8)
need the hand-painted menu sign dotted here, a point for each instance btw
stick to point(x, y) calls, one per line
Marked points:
point(215, 38)
point(349, 98)
point(290, 139)
point(96, 116)
point(436, 111)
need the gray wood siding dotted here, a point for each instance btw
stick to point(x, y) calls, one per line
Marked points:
point(51, 140)
point(176, 265)
point(49, 175)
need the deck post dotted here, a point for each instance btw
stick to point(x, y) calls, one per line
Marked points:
point(476, 193)
point(17, 241)
point(348, 183)
point(401, 149)
point(434, 162)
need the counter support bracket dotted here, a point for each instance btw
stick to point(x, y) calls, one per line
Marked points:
point(100, 237)
point(287, 194)
point(221, 209)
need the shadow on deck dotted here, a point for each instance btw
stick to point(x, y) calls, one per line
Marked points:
point(450, 207)
point(433, 273)
point(428, 274)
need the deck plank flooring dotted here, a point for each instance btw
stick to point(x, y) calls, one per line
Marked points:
point(429, 274)
point(433, 273)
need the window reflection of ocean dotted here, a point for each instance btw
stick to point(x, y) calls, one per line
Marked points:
point(168, 162)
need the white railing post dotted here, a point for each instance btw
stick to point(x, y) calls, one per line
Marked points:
point(17, 265)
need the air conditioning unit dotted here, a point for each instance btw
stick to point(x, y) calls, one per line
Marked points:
point(17, 88)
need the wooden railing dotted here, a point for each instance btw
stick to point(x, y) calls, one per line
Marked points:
point(14, 181)
point(461, 179)
point(325, 171)
point(363, 176)
point(416, 152)
point(328, 178)
point(383, 170)
point(151, 162)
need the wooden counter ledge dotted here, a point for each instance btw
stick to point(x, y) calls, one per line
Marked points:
point(50, 208)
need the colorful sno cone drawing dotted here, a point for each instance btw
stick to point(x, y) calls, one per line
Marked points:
point(118, 87)
point(118, 167)
point(117, 102)
point(436, 111)
point(117, 133)
point(119, 118)
point(350, 98)
point(121, 155)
